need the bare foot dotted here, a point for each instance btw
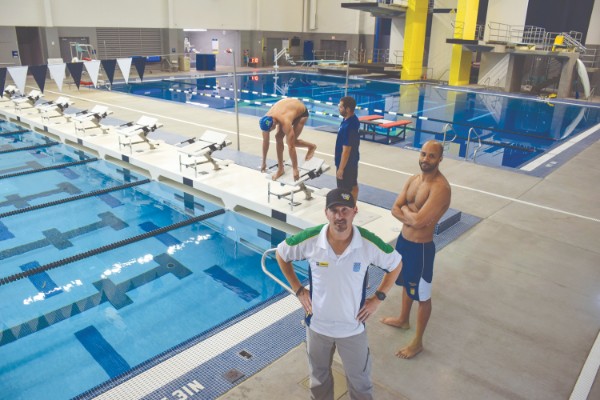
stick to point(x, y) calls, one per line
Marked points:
point(311, 152)
point(409, 351)
point(277, 174)
point(395, 322)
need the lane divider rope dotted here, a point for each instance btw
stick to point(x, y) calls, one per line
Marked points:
point(50, 168)
point(108, 247)
point(37, 146)
point(74, 198)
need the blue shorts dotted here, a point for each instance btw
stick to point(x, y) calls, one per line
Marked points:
point(417, 268)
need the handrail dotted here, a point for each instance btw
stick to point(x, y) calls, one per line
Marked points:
point(446, 131)
point(469, 140)
point(270, 275)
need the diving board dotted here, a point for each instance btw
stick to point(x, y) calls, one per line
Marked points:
point(312, 63)
point(308, 170)
point(198, 151)
point(371, 124)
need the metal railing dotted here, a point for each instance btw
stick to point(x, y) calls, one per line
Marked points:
point(450, 128)
point(469, 141)
point(459, 27)
point(447, 128)
point(516, 34)
point(272, 276)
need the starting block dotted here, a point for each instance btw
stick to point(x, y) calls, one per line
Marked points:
point(139, 129)
point(308, 170)
point(199, 150)
point(93, 116)
point(56, 107)
point(27, 101)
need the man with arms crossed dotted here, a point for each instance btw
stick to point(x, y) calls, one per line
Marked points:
point(289, 116)
point(339, 255)
point(420, 205)
point(346, 147)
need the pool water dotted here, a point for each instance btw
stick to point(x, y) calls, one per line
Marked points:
point(513, 130)
point(88, 316)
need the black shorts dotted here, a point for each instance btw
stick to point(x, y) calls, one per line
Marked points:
point(350, 178)
point(304, 115)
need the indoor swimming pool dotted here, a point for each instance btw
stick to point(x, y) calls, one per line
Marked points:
point(104, 273)
point(508, 131)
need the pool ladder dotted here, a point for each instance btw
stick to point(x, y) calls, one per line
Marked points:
point(270, 275)
point(449, 127)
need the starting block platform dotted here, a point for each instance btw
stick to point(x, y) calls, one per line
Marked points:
point(199, 150)
point(308, 170)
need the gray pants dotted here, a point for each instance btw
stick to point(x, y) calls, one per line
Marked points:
point(354, 352)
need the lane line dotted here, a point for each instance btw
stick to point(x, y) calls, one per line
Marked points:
point(586, 378)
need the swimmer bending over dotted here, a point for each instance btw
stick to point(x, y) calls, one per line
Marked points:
point(289, 116)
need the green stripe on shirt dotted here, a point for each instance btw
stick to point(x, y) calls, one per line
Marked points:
point(304, 235)
point(376, 240)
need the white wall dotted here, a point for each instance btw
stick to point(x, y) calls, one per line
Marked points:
point(269, 15)
point(110, 13)
point(593, 33)
point(332, 18)
point(440, 52)
point(397, 38)
point(509, 12)
point(260, 15)
point(22, 13)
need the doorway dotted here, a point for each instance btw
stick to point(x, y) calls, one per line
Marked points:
point(30, 45)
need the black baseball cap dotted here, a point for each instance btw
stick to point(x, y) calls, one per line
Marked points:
point(340, 197)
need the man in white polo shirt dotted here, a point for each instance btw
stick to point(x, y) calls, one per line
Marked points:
point(339, 255)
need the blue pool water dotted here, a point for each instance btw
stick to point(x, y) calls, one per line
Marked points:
point(109, 293)
point(513, 130)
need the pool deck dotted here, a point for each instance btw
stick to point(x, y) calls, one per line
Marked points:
point(516, 298)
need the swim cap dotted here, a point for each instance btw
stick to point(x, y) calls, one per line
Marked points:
point(266, 123)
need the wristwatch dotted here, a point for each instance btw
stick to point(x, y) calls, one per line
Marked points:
point(380, 295)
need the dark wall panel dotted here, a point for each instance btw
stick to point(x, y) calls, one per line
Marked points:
point(560, 15)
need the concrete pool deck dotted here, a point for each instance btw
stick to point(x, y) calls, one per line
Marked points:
point(516, 310)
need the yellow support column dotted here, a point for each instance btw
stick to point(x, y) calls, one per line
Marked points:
point(414, 39)
point(464, 28)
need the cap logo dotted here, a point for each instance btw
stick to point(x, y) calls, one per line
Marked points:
point(345, 196)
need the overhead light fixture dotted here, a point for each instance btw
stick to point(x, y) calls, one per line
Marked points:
point(194, 30)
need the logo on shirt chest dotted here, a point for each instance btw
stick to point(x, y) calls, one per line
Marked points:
point(322, 264)
point(356, 267)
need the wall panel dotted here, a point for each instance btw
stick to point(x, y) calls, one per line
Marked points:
point(22, 13)
point(110, 13)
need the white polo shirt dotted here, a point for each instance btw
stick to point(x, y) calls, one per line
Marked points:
point(338, 283)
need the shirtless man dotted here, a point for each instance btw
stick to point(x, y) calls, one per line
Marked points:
point(420, 205)
point(289, 116)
